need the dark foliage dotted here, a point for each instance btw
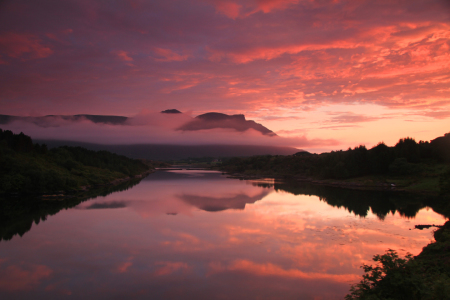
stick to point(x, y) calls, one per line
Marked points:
point(17, 142)
point(426, 276)
point(405, 158)
point(32, 168)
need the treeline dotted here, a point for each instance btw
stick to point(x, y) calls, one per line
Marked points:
point(32, 168)
point(407, 157)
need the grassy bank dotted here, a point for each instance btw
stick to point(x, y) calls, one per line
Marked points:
point(33, 169)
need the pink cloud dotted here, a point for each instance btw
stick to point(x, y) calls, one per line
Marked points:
point(169, 55)
point(268, 5)
point(122, 268)
point(16, 278)
point(270, 269)
point(153, 128)
point(169, 267)
point(227, 56)
point(228, 8)
point(350, 117)
point(243, 9)
point(438, 114)
point(17, 45)
point(123, 55)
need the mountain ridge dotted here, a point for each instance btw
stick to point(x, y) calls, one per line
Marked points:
point(210, 120)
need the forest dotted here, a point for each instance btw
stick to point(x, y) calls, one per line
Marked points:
point(31, 168)
point(408, 159)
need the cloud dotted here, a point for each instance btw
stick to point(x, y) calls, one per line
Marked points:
point(167, 55)
point(169, 267)
point(22, 45)
point(439, 114)
point(151, 128)
point(123, 268)
point(268, 5)
point(350, 117)
point(270, 269)
point(223, 55)
point(228, 8)
point(270, 118)
point(222, 203)
point(123, 55)
point(244, 9)
point(20, 277)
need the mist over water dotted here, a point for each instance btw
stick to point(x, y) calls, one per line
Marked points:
point(151, 128)
point(199, 235)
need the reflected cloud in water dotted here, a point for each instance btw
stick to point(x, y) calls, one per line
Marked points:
point(263, 241)
point(222, 203)
point(182, 192)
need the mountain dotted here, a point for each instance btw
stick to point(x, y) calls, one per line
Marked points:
point(174, 152)
point(209, 120)
point(218, 120)
point(153, 150)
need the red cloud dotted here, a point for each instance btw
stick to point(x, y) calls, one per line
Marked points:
point(16, 278)
point(189, 55)
point(243, 9)
point(123, 55)
point(228, 8)
point(269, 5)
point(18, 45)
point(169, 55)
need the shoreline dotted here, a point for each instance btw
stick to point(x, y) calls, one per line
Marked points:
point(66, 194)
point(352, 185)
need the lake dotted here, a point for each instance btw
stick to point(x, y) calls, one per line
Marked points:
point(193, 234)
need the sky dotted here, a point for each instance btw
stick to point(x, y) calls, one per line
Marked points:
point(322, 74)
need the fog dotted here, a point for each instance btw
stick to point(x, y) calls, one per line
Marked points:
point(147, 128)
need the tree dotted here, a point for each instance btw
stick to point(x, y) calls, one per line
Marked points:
point(374, 284)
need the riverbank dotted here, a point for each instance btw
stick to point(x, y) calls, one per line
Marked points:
point(78, 193)
point(425, 276)
point(29, 168)
point(424, 186)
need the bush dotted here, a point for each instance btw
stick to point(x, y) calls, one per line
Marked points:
point(386, 280)
point(401, 166)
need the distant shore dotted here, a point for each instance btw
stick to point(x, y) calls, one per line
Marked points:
point(367, 183)
point(57, 195)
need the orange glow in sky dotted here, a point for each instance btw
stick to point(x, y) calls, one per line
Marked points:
point(354, 71)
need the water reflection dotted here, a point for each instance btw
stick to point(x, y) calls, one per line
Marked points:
point(175, 192)
point(17, 214)
point(159, 240)
point(361, 203)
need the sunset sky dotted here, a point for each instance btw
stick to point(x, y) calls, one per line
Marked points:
point(327, 73)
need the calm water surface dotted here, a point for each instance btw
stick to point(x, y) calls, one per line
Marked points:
point(199, 235)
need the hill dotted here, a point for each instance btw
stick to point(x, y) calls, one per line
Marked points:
point(218, 120)
point(29, 167)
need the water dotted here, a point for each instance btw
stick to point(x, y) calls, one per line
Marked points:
point(199, 235)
